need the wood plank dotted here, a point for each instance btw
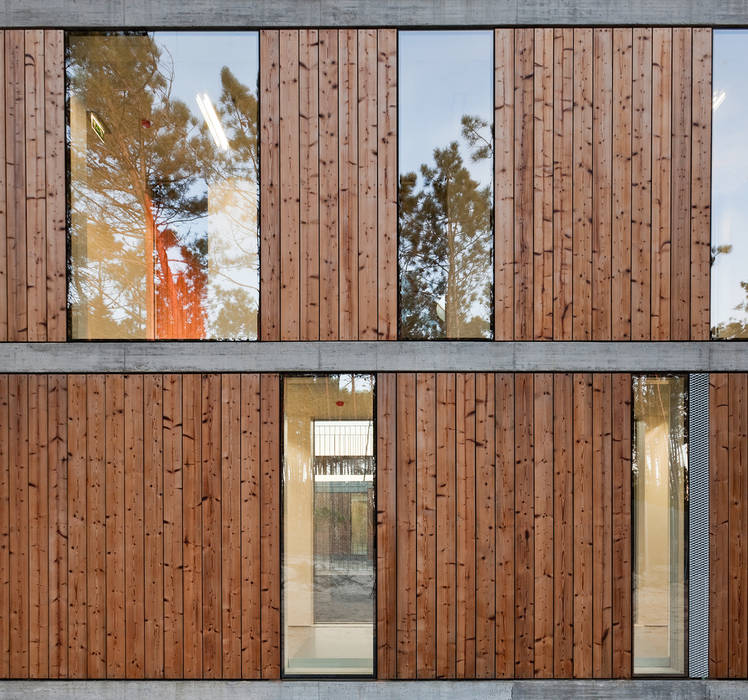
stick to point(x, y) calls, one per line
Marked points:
point(701, 185)
point(211, 523)
point(230, 516)
point(96, 524)
point(661, 174)
point(15, 183)
point(270, 263)
point(602, 527)
point(523, 184)
point(38, 528)
point(54, 148)
point(406, 526)
point(387, 526)
point(524, 539)
point(719, 525)
point(290, 259)
point(504, 184)
point(270, 525)
point(563, 156)
point(563, 526)
point(622, 601)
point(505, 530)
point(36, 239)
point(641, 183)
point(737, 626)
point(583, 470)
point(153, 509)
point(20, 556)
point(543, 524)
point(543, 185)
point(426, 525)
point(4, 288)
point(368, 313)
point(582, 195)
point(348, 157)
point(621, 185)
point(485, 526)
point(465, 449)
point(387, 183)
point(115, 525)
point(446, 528)
point(5, 531)
point(602, 166)
point(680, 260)
point(57, 456)
point(173, 560)
point(76, 526)
point(328, 184)
point(309, 161)
point(249, 409)
point(192, 525)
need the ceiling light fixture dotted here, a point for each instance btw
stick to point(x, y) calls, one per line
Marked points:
point(211, 119)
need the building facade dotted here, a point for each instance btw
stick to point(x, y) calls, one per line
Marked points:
point(360, 342)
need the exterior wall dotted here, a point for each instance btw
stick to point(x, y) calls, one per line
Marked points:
point(504, 510)
point(140, 526)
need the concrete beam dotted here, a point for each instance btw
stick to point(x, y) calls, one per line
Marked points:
point(357, 13)
point(373, 690)
point(373, 356)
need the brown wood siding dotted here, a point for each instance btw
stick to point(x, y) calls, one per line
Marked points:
point(531, 558)
point(728, 526)
point(329, 184)
point(603, 166)
point(139, 526)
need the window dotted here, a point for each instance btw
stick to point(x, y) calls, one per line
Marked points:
point(328, 525)
point(729, 306)
point(445, 214)
point(660, 511)
point(162, 139)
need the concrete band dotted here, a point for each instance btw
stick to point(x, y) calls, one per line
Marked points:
point(356, 13)
point(373, 356)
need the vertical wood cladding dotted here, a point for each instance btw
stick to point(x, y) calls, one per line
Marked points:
point(602, 183)
point(328, 184)
point(728, 526)
point(504, 545)
point(140, 526)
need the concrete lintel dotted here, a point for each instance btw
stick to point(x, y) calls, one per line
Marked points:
point(373, 356)
point(342, 13)
point(374, 690)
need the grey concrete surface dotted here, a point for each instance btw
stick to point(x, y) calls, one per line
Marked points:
point(277, 13)
point(373, 690)
point(373, 356)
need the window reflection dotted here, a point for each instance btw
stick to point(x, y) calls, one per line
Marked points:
point(729, 307)
point(163, 185)
point(660, 490)
point(445, 245)
point(328, 525)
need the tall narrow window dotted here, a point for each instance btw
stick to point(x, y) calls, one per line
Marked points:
point(729, 302)
point(328, 525)
point(660, 506)
point(445, 216)
point(163, 151)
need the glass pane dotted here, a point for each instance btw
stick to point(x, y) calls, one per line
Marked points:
point(163, 185)
point(660, 490)
point(729, 307)
point(445, 213)
point(328, 525)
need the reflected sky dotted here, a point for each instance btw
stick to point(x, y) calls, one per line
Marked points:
point(730, 183)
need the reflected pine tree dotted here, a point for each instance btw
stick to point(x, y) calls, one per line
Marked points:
point(446, 243)
point(144, 174)
point(732, 327)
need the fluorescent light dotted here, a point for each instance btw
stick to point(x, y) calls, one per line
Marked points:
point(718, 97)
point(211, 119)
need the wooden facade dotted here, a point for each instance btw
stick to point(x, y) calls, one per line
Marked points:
point(602, 184)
